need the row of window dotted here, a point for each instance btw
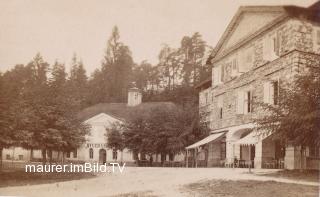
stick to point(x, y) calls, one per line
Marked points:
point(8, 157)
point(245, 98)
point(243, 61)
point(114, 154)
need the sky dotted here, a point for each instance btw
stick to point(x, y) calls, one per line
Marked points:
point(60, 28)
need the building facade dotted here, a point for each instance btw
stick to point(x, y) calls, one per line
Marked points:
point(262, 47)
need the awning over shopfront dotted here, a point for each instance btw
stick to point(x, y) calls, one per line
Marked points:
point(252, 138)
point(206, 140)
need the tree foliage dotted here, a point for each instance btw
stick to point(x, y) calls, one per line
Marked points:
point(296, 118)
point(163, 130)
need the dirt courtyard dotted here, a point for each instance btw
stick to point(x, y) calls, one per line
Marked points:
point(158, 182)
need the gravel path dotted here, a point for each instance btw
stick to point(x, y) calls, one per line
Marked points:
point(161, 181)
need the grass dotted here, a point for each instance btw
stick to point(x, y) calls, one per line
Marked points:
point(19, 178)
point(249, 188)
point(305, 175)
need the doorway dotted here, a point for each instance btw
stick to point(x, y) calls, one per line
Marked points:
point(102, 156)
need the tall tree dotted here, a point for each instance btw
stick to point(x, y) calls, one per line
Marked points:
point(78, 83)
point(116, 68)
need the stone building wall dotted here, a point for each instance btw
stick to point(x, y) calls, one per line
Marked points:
point(297, 50)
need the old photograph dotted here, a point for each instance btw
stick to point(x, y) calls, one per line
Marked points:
point(159, 98)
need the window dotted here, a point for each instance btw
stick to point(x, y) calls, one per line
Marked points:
point(271, 92)
point(244, 102)
point(271, 47)
point(234, 70)
point(220, 106)
point(318, 37)
point(91, 153)
point(247, 102)
point(75, 153)
point(217, 75)
point(68, 154)
point(114, 154)
point(20, 157)
point(314, 152)
point(8, 157)
point(246, 60)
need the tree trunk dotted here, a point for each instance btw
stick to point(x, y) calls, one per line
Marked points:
point(50, 157)
point(31, 154)
point(44, 156)
point(301, 159)
point(1, 149)
point(121, 157)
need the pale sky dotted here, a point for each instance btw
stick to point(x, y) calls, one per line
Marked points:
point(59, 28)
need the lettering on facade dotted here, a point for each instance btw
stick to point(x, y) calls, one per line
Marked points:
point(96, 145)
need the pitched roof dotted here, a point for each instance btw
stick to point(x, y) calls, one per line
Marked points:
point(311, 13)
point(119, 110)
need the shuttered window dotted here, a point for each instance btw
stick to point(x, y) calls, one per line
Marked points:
point(240, 102)
point(234, 69)
point(271, 47)
point(217, 75)
point(271, 92)
point(244, 102)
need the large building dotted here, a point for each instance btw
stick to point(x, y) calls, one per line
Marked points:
point(261, 46)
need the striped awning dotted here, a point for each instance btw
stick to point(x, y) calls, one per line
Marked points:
point(206, 140)
point(252, 138)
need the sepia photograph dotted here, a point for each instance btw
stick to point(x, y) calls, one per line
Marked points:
point(159, 98)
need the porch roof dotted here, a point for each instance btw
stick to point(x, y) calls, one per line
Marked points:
point(206, 140)
point(252, 138)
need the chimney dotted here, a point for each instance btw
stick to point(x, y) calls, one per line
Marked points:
point(134, 97)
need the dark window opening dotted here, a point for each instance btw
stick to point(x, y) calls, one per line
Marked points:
point(275, 92)
point(220, 112)
point(249, 108)
point(75, 153)
point(114, 154)
point(91, 153)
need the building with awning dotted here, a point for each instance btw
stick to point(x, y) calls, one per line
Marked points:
point(209, 151)
point(261, 47)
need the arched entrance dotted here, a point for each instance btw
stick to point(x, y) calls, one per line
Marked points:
point(102, 156)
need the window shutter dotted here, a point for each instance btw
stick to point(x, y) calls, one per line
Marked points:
point(271, 93)
point(277, 44)
point(266, 92)
point(215, 75)
point(240, 102)
point(234, 70)
point(242, 62)
point(266, 48)
point(222, 73)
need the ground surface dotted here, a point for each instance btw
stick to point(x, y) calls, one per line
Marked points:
point(175, 182)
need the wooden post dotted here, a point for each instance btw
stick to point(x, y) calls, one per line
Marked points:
point(187, 160)
point(250, 158)
point(195, 156)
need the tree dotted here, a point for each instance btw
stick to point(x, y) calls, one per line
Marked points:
point(165, 129)
point(78, 82)
point(295, 120)
point(115, 138)
point(116, 68)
